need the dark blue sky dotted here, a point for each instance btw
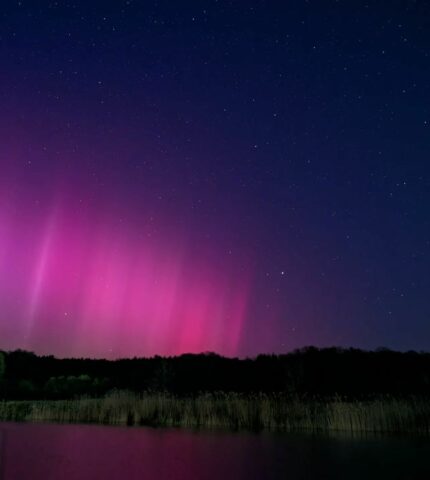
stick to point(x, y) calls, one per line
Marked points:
point(286, 143)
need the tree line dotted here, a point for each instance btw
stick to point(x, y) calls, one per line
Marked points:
point(310, 371)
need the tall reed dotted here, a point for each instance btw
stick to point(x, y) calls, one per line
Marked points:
point(232, 411)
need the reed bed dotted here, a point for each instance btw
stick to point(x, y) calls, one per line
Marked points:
point(232, 411)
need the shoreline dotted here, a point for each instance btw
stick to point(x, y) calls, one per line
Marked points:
point(232, 412)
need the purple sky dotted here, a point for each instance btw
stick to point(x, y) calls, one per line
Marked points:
point(226, 176)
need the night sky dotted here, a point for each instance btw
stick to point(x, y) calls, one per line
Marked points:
point(238, 177)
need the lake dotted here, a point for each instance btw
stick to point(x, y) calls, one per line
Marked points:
point(66, 452)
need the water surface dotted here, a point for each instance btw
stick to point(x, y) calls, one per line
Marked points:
point(66, 452)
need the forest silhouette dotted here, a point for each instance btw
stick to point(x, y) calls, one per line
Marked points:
point(307, 372)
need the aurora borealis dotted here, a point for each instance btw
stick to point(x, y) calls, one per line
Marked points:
point(101, 286)
point(235, 177)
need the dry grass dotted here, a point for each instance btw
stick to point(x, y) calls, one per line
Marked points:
point(232, 411)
